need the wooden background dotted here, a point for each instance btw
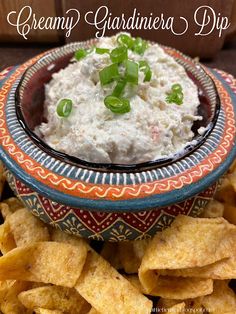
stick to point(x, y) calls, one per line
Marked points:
point(188, 43)
point(45, 8)
point(205, 47)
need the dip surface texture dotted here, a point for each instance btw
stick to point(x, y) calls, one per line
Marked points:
point(153, 129)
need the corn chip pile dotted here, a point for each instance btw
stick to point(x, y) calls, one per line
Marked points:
point(187, 268)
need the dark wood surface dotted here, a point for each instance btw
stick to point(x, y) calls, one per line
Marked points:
point(16, 54)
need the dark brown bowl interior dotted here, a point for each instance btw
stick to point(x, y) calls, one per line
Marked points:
point(30, 97)
point(33, 98)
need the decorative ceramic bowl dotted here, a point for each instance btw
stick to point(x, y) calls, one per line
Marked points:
point(111, 202)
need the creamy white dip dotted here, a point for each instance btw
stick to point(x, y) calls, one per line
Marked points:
point(153, 128)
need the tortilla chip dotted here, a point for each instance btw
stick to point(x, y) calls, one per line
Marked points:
point(222, 300)
point(85, 308)
point(45, 311)
point(14, 203)
point(39, 284)
point(10, 303)
point(226, 192)
point(182, 288)
point(4, 288)
point(110, 253)
point(53, 298)
point(26, 228)
point(176, 288)
point(62, 237)
point(178, 308)
point(230, 213)
point(49, 262)
point(131, 254)
point(191, 306)
point(93, 311)
point(134, 280)
point(213, 209)
point(7, 241)
point(189, 242)
point(107, 291)
point(5, 210)
point(221, 270)
point(9, 206)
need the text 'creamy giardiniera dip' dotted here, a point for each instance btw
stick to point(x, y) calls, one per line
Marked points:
point(123, 101)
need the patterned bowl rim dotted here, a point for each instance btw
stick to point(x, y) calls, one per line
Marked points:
point(104, 167)
point(121, 192)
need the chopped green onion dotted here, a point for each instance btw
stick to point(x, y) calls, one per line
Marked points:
point(64, 108)
point(145, 68)
point(119, 88)
point(131, 73)
point(179, 96)
point(125, 40)
point(175, 98)
point(109, 74)
point(176, 95)
point(117, 105)
point(140, 46)
point(101, 51)
point(80, 54)
point(176, 88)
point(119, 54)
